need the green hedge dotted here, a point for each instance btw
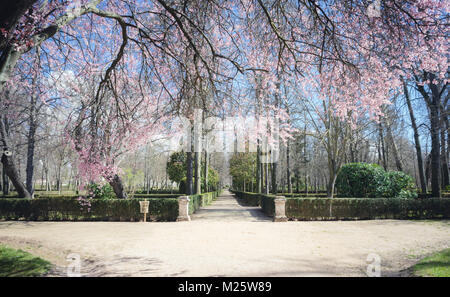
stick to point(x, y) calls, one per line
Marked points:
point(248, 199)
point(363, 209)
point(69, 209)
point(156, 195)
point(268, 204)
point(174, 191)
point(200, 200)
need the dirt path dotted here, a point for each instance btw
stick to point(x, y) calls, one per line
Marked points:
point(226, 209)
point(226, 239)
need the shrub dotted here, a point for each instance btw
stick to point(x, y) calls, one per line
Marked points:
point(360, 180)
point(364, 180)
point(100, 192)
point(399, 184)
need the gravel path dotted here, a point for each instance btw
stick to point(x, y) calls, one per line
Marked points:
point(226, 239)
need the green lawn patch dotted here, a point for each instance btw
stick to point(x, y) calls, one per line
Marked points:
point(17, 263)
point(437, 265)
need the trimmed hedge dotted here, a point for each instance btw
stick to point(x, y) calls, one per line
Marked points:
point(248, 199)
point(156, 195)
point(174, 191)
point(199, 200)
point(363, 209)
point(268, 204)
point(69, 209)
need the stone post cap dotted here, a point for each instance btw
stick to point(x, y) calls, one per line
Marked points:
point(184, 198)
point(280, 198)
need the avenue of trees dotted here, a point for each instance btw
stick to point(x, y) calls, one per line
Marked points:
point(90, 90)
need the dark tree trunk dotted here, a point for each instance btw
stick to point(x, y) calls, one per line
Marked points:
point(189, 173)
point(258, 169)
point(205, 172)
point(288, 169)
point(423, 183)
point(8, 164)
point(433, 104)
point(10, 13)
point(398, 162)
point(5, 182)
point(274, 178)
point(117, 185)
point(444, 150)
point(197, 167)
point(435, 151)
point(383, 148)
point(30, 146)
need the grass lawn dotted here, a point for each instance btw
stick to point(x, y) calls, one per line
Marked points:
point(19, 263)
point(437, 265)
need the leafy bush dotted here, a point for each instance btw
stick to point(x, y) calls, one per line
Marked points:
point(399, 184)
point(364, 180)
point(100, 192)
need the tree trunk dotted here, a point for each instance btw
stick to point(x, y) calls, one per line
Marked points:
point(5, 181)
point(423, 184)
point(332, 178)
point(266, 178)
point(258, 169)
point(435, 151)
point(8, 60)
point(30, 145)
point(117, 185)
point(331, 184)
point(8, 163)
point(383, 150)
point(197, 167)
point(189, 173)
point(288, 169)
point(433, 104)
point(274, 178)
point(398, 162)
point(444, 160)
point(205, 172)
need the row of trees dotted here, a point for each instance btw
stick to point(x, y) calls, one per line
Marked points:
point(104, 78)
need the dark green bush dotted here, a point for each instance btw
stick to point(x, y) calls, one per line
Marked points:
point(364, 209)
point(360, 180)
point(399, 184)
point(364, 180)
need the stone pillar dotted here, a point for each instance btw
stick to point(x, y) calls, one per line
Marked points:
point(280, 209)
point(183, 209)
